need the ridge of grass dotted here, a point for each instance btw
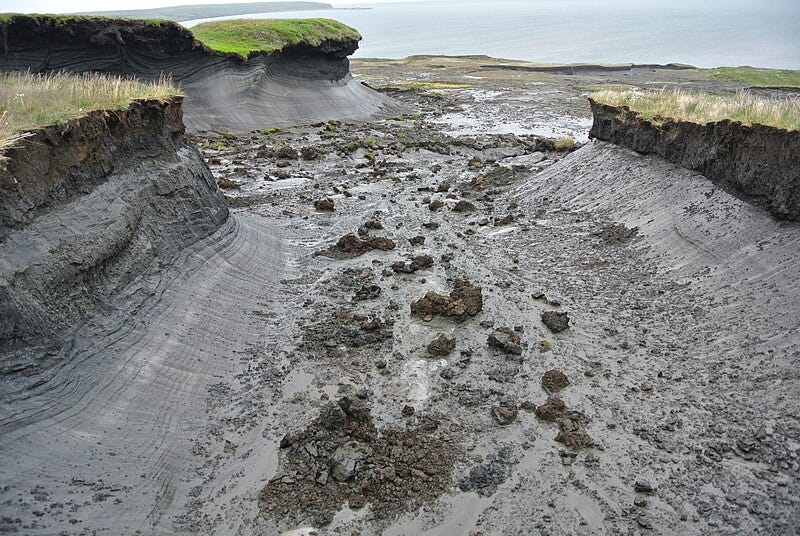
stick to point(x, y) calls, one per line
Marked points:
point(757, 77)
point(62, 20)
point(246, 36)
point(659, 106)
point(30, 101)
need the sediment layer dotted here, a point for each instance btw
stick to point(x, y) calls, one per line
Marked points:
point(298, 84)
point(758, 163)
point(87, 207)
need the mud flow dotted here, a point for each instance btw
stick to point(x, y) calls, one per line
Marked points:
point(410, 327)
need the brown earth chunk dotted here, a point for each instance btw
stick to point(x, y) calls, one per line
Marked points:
point(556, 321)
point(441, 345)
point(554, 380)
point(464, 300)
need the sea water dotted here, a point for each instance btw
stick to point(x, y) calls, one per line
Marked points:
point(704, 33)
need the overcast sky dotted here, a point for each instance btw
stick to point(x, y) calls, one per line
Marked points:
point(66, 6)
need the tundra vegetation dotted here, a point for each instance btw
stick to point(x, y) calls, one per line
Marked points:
point(246, 36)
point(662, 105)
point(755, 76)
point(29, 101)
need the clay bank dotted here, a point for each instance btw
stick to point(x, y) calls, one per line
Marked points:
point(234, 82)
point(755, 158)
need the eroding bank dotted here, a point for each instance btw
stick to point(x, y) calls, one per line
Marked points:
point(758, 162)
point(87, 207)
point(298, 83)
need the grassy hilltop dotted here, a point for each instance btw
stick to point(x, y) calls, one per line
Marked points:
point(268, 35)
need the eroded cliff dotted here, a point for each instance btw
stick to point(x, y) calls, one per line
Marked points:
point(89, 206)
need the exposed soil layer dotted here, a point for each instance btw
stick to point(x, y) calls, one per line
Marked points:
point(758, 162)
point(299, 84)
point(89, 206)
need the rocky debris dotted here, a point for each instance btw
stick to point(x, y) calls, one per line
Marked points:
point(408, 411)
point(505, 220)
point(351, 245)
point(367, 292)
point(572, 431)
point(556, 321)
point(415, 263)
point(324, 204)
point(286, 152)
point(571, 423)
point(441, 345)
point(416, 240)
point(641, 486)
point(342, 328)
point(373, 225)
point(463, 206)
point(505, 340)
point(464, 300)
point(554, 380)
point(551, 410)
point(504, 414)
point(309, 152)
point(435, 205)
point(227, 184)
point(616, 233)
point(342, 458)
point(484, 479)
point(443, 187)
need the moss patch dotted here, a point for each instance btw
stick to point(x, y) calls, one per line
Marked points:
point(246, 36)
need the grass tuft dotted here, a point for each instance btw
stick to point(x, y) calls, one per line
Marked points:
point(661, 105)
point(757, 77)
point(30, 101)
point(245, 36)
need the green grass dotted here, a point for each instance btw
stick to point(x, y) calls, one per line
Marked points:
point(757, 77)
point(30, 101)
point(270, 131)
point(661, 105)
point(246, 36)
point(62, 20)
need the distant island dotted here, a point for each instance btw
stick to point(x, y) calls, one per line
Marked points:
point(207, 11)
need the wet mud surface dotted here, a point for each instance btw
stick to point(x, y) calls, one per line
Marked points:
point(471, 334)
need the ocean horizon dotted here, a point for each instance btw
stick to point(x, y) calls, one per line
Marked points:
point(704, 34)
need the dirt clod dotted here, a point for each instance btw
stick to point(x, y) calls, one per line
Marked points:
point(554, 380)
point(504, 414)
point(556, 321)
point(463, 206)
point(441, 345)
point(505, 340)
point(351, 245)
point(464, 300)
point(324, 204)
